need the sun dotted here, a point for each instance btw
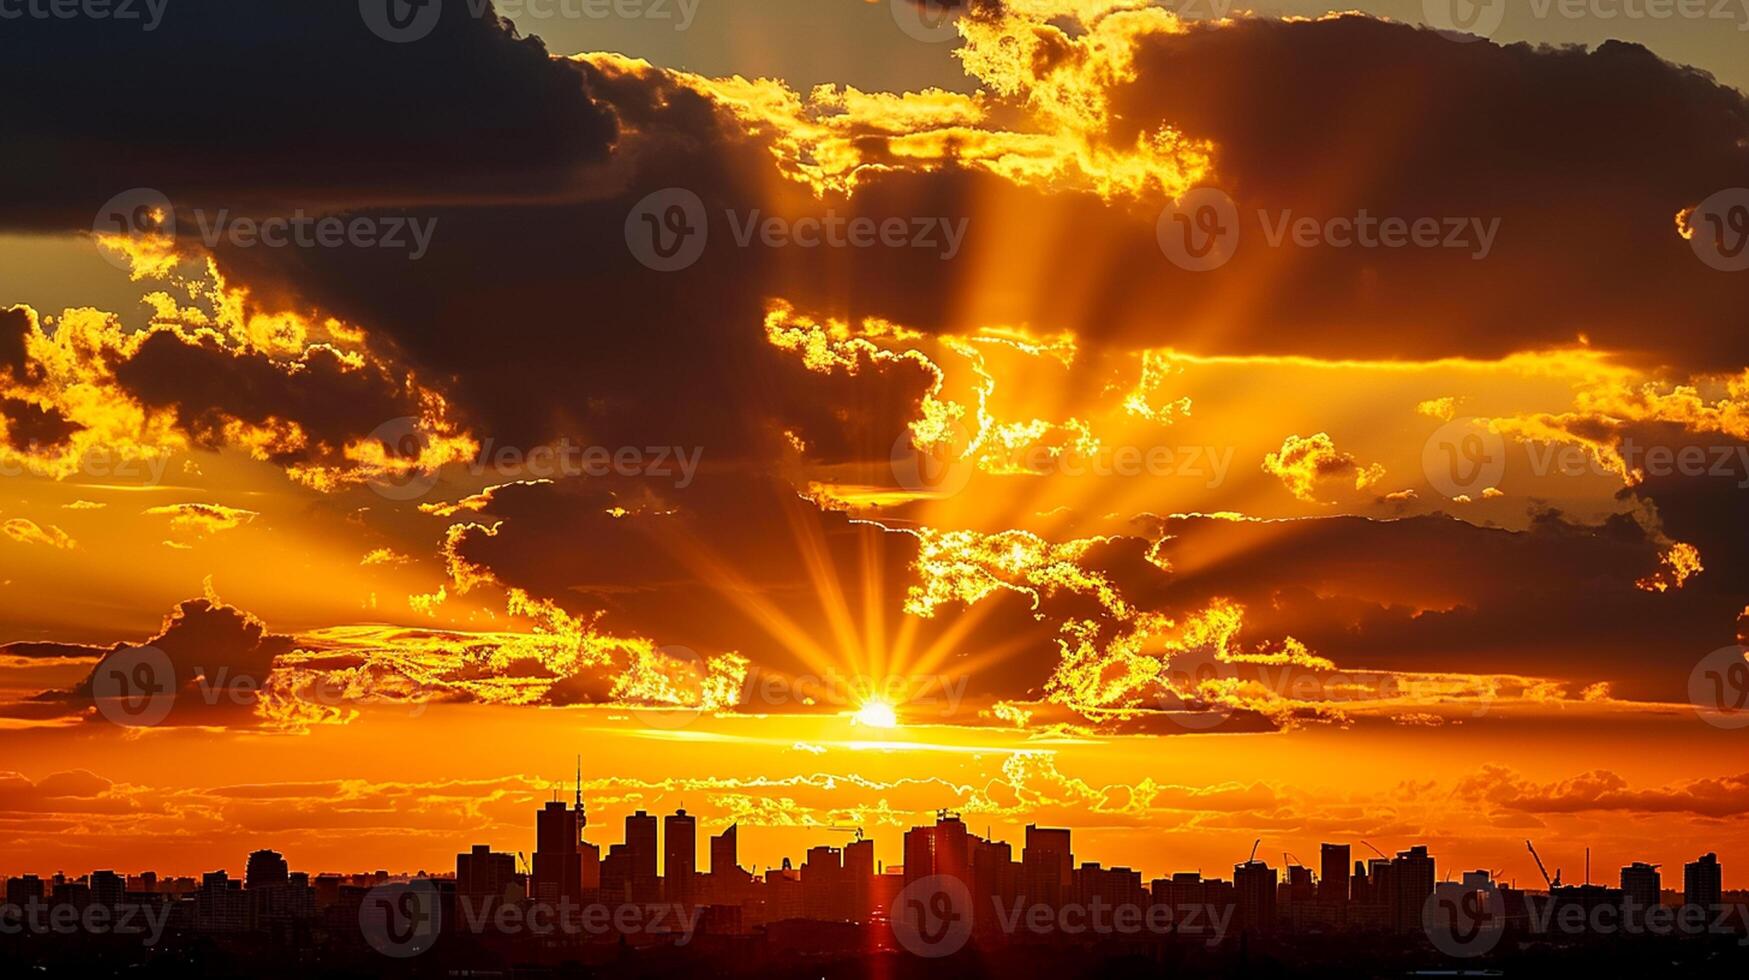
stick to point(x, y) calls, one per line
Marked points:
point(876, 714)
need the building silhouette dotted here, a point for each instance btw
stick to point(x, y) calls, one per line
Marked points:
point(1047, 864)
point(725, 851)
point(1641, 884)
point(642, 883)
point(679, 856)
point(1703, 882)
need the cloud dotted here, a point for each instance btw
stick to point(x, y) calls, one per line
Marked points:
point(203, 519)
point(477, 110)
point(1602, 790)
point(1305, 463)
point(221, 658)
point(26, 531)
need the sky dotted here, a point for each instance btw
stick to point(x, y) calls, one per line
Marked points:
point(1191, 426)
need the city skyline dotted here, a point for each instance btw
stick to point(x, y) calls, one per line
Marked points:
point(623, 434)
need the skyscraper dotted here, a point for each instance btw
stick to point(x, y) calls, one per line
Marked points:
point(1641, 884)
point(1333, 874)
point(264, 868)
point(641, 856)
point(558, 853)
point(1254, 887)
point(680, 855)
point(725, 851)
point(1047, 865)
point(1703, 882)
point(943, 849)
point(1410, 882)
point(558, 871)
point(484, 877)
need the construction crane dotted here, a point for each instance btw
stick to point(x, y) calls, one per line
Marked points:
point(1375, 850)
point(1554, 882)
point(1288, 859)
point(524, 862)
point(1254, 847)
point(839, 828)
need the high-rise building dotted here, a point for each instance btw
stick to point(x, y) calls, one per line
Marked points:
point(944, 849)
point(1642, 885)
point(108, 889)
point(483, 877)
point(21, 889)
point(265, 868)
point(1254, 889)
point(1703, 882)
point(558, 866)
point(680, 855)
point(1410, 882)
point(1047, 865)
point(1333, 874)
point(823, 884)
point(725, 851)
point(642, 855)
point(859, 874)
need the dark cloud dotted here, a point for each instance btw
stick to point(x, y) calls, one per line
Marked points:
point(221, 657)
point(29, 425)
point(282, 102)
point(1558, 599)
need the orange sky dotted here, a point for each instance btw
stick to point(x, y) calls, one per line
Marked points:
point(1194, 558)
